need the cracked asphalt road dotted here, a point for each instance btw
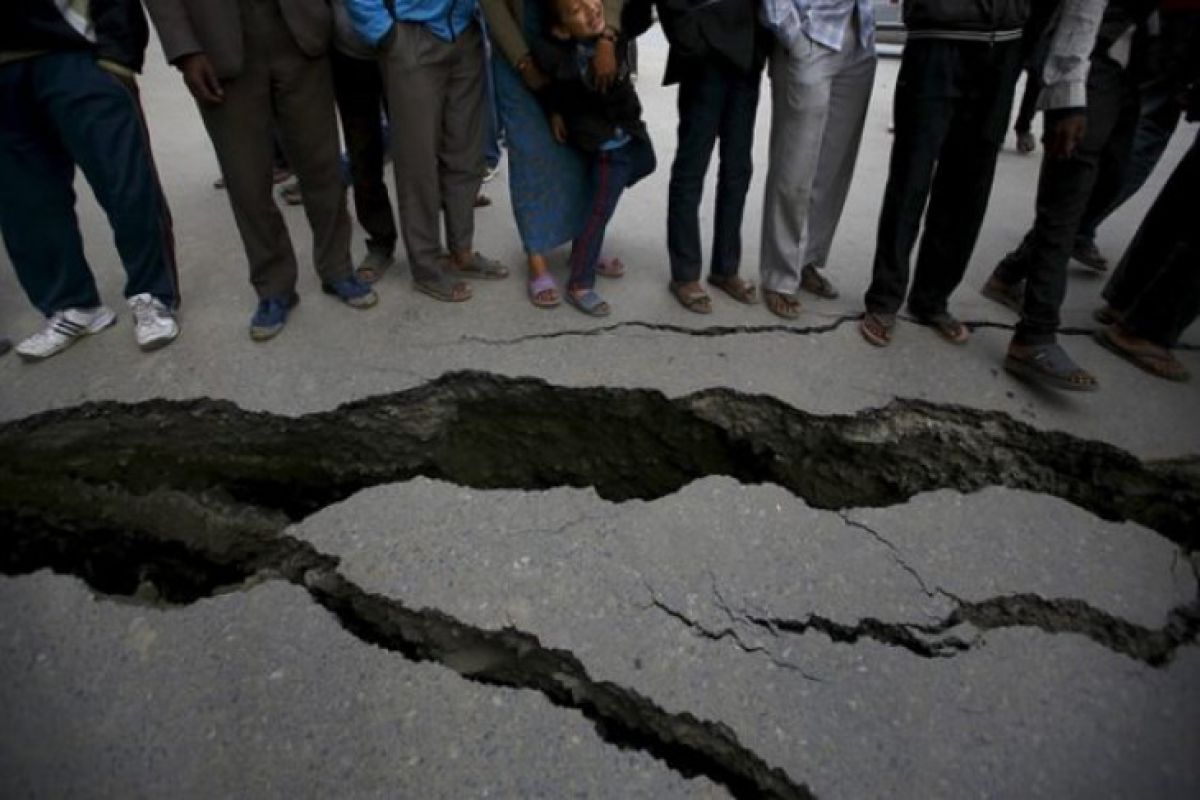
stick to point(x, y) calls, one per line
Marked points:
point(790, 584)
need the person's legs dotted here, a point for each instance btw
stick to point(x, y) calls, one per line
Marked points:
point(1157, 286)
point(417, 76)
point(800, 92)
point(962, 186)
point(736, 137)
point(460, 158)
point(37, 201)
point(99, 120)
point(849, 96)
point(240, 128)
point(302, 95)
point(925, 102)
point(1064, 187)
point(358, 88)
point(611, 172)
point(700, 102)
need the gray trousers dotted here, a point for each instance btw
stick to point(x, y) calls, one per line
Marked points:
point(435, 91)
point(819, 102)
point(280, 88)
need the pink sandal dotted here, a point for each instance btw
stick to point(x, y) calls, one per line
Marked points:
point(610, 268)
point(539, 286)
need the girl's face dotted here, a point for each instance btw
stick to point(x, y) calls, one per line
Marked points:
point(580, 19)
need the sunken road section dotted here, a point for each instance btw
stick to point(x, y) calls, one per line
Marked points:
point(172, 502)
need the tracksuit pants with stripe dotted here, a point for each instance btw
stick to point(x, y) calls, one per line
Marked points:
point(57, 111)
point(610, 173)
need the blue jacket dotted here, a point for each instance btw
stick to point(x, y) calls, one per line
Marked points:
point(445, 19)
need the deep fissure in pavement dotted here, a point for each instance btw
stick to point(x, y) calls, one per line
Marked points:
point(175, 501)
point(166, 569)
point(490, 432)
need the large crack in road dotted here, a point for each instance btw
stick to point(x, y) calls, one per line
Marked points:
point(176, 501)
point(491, 432)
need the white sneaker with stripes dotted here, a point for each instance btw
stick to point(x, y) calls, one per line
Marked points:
point(154, 324)
point(63, 329)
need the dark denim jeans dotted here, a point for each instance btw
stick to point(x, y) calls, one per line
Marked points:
point(1123, 173)
point(1064, 186)
point(951, 113)
point(715, 102)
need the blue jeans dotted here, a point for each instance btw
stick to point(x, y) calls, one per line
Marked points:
point(57, 111)
point(610, 173)
point(715, 102)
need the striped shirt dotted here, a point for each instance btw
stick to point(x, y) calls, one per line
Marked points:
point(823, 21)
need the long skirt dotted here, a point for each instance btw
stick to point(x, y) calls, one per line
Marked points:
point(547, 181)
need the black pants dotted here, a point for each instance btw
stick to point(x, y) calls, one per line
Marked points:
point(1157, 284)
point(1064, 186)
point(951, 113)
point(358, 89)
point(716, 101)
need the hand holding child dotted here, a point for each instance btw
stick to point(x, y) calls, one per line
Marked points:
point(558, 127)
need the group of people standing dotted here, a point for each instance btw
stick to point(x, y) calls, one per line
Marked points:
point(563, 88)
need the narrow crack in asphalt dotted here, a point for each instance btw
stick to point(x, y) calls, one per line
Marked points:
point(717, 331)
point(1153, 647)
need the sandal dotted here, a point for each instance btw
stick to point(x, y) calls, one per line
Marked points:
point(543, 291)
point(610, 268)
point(736, 287)
point(444, 287)
point(696, 301)
point(480, 266)
point(1050, 365)
point(814, 282)
point(782, 305)
point(1011, 297)
point(1152, 358)
point(946, 325)
point(589, 303)
point(374, 264)
point(876, 327)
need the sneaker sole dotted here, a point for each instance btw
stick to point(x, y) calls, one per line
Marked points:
point(158, 343)
point(99, 325)
point(362, 302)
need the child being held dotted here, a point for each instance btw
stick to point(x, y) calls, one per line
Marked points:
point(603, 122)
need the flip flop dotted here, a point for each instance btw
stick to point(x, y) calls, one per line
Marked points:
point(946, 325)
point(589, 303)
point(480, 266)
point(782, 304)
point(696, 302)
point(1050, 365)
point(610, 268)
point(877, 327)
point(1150, 358)
point(738, 288)
point(442, 288)
point(540, 285)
